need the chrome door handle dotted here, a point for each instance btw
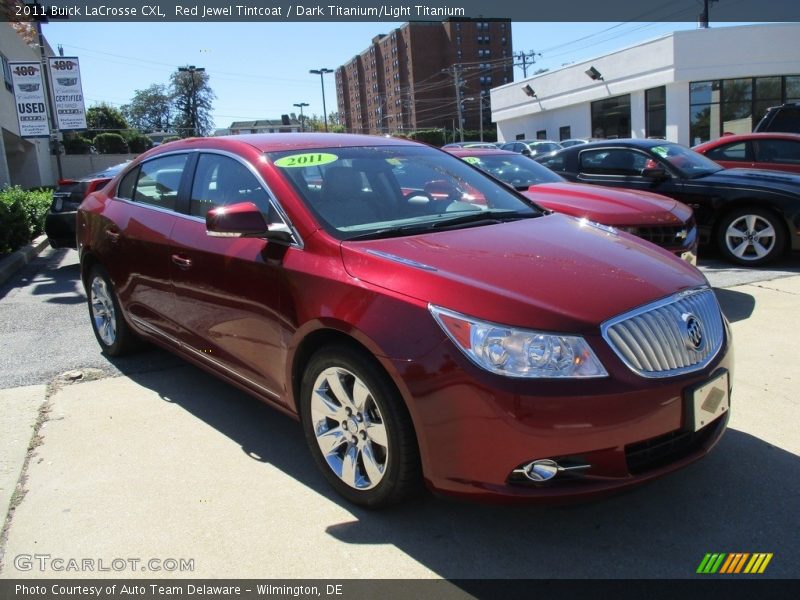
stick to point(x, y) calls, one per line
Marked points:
point(181, 261)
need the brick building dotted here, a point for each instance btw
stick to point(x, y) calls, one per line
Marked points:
point(406, 80)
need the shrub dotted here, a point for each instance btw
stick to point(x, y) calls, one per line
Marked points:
point(77, 144)
point(170, 138)
point(434, 137)
point(110, 143)
point(137, 142)
point(21, 216)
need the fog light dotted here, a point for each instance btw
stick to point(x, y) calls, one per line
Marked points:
point(541, 470)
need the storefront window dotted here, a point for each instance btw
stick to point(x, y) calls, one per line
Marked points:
point(656, 112)
point(611, 117)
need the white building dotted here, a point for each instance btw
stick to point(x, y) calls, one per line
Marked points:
point(687, 87)
point(23, 161)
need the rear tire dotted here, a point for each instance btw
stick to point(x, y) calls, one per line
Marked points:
point(108, 324)
point(358, 428)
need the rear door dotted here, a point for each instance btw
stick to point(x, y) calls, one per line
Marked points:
point(135, 238)
point(780, 154)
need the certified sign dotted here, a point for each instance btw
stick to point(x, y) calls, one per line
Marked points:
point(65, 79)
point(29, 97)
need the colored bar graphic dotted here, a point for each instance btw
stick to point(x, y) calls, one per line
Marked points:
point(734, 562)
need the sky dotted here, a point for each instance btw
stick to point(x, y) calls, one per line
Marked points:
point(260, 70)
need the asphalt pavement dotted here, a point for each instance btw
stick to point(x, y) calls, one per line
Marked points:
point(152, 458)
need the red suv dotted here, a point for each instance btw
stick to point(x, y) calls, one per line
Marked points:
point(419, 332)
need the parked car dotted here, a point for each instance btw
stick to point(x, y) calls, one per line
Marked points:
point(492, 350)
point(470, 145)
point(658, 219)
point(532, 148)
point(59, 222)
point(577, 141)
point(773, 151)
point(780, 119)
point(750, 215)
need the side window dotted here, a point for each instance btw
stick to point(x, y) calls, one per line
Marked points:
point(158, 181)
point(615, 161)
point(222, 181)
point(737, 151)
point(554, 163)
point(778, 151)
point(127, 185)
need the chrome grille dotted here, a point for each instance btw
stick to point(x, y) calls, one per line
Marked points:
point(661, 235)
point(660, 339)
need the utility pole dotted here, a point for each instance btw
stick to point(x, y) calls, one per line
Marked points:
point(703, 20)
point(191, 69)
point(455, 71)
point(521, 56)
point(302, 118)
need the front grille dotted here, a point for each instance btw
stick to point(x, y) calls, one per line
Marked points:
point(665, 236)
point(663, 450)
point(661, 339)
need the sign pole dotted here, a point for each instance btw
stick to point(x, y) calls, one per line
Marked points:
point(54, 133)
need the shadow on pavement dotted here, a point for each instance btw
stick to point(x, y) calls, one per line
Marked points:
point(737, 499)
point(737, 306)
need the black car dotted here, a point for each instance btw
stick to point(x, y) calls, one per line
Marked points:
point(780, 119)
point(753, 216)
point(59, 223)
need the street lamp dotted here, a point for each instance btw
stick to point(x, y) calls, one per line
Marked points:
point(480, 114)
point(191, 69)
point(322, 72)
point(301, 105)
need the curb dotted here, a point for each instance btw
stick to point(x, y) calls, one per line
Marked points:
point(18, 259)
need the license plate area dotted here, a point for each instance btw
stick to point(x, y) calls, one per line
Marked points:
point(708, 402)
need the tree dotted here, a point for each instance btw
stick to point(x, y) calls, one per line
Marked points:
point(192, 97)
point(150, 109)
point(104, 118)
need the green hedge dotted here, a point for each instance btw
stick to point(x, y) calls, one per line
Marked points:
point(110, 143)
point(21, 216)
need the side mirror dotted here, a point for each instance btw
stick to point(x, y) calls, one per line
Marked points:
point(657, 173)
point(243, 219)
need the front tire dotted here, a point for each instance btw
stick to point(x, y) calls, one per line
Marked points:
point(751, 237)
point(110, 328)
point(358, 429)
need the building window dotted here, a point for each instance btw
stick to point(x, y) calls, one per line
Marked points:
point(655, 102)
point(611, 117)
point(564, 133)
point(541, 134)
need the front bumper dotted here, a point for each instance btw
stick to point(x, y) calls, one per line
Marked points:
point(476, 429)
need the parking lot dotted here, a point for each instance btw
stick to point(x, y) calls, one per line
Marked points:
point(149, 458)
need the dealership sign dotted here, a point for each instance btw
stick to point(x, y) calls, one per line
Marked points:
point(30, 99)
point(65, 80)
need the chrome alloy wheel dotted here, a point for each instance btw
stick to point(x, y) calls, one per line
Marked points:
point(750, 237)
point(349, 428)
point(103, 314)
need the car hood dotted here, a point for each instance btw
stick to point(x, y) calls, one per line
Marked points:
point(754, 178)
point(552, 273)
point(610, 206)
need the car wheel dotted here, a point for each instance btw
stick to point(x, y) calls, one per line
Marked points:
point(751, 236)
point(110, 328)
point(358, 429)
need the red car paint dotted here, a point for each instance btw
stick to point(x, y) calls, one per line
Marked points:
point(772, 151)
point(250, 310)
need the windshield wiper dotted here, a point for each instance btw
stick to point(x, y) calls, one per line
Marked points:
point(472, 219)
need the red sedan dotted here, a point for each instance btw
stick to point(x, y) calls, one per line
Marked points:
point(773, 151)
point(491, 350)
point(656, 218)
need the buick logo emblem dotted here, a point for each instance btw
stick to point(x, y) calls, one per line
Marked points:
point(694, 331)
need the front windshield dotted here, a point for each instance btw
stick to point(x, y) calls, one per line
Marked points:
point(514, 169)
point(688, 162)
point(360, 191)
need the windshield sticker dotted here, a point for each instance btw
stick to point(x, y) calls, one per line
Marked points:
point(660, 151)
point(473, 160)
point(309, 159)
point(394, 161)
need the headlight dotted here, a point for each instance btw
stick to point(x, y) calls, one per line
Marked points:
point(519, 352)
